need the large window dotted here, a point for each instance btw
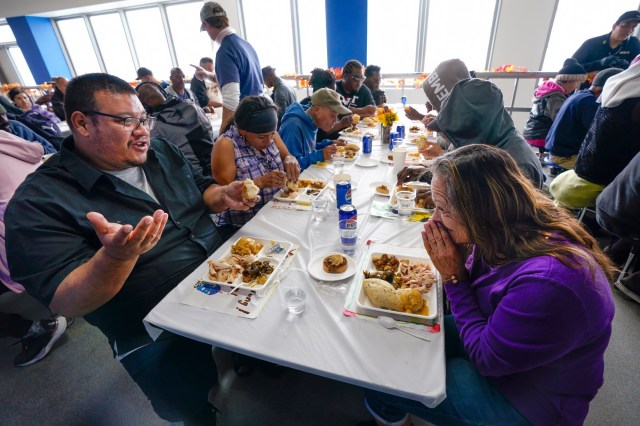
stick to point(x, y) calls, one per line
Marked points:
point(575, 22)
point(113, 45)
point(79, 47)
point(459, 29)
point(150, 41)
point(190, 43)
point(392, 33)
point(12, 51)
point(313, 34)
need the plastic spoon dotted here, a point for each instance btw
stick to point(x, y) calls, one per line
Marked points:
point(390, 323)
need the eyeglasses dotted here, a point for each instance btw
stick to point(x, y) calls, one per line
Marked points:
point(358, 79)
point(130, 124)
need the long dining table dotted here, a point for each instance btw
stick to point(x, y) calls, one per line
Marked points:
point(326, 339)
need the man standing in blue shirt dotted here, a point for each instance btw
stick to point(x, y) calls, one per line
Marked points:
point(237, 65)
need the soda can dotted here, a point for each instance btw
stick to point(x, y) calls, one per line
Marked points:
point(343, 192)
point(392, 139)
point(367, 144)
point(349, 213)
point(403, 100)
point(400, 130)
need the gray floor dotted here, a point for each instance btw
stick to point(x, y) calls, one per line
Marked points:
point(79, 383)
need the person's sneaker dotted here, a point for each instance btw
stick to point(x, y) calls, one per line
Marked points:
point(630, 286)
point(36, 347)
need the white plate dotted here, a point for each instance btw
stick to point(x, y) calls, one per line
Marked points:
point(367, 162)
point(303, 195)
point(375, 186)
point(430, 297)
point(316, 271)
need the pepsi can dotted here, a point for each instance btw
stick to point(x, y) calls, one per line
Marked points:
point(400, 130)
point(343, 192)
point(403, 100)
point(367, 144)
point(349, 214)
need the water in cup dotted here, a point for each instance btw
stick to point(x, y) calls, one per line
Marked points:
point(294, 300)
point(320, 208)
point(338, 163)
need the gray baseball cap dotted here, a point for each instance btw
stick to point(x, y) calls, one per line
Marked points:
point(210, 10)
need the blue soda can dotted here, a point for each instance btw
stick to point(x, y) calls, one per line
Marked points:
point(400, 130)
point(392, 139)
point(349, 213)
point(343, 192)
point(367, 144)
point(403, 100)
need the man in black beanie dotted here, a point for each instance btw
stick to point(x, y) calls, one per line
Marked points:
point(615, 49)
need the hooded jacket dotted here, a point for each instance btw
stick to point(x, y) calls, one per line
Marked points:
point(298, 132)
point(547, 101)
point(18, 158)
point(474, 113)
point(186, 126)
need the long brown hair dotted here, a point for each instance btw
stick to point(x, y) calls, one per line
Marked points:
point(507, 218)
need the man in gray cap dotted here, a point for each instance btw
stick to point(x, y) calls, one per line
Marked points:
point(573, 121)
point(300, 125)
point(615, 49)
point(237, 65)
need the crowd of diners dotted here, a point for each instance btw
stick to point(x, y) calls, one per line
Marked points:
point(144, 190)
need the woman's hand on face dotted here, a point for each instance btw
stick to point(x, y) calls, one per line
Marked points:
point(273, 179)
point(447, 257)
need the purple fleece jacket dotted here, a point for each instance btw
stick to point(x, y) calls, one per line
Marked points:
point(538, 329)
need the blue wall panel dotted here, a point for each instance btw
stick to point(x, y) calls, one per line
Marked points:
point(40, 47)
point(346, 31)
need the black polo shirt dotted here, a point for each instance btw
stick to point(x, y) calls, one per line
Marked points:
point(48, 234)
point(594, 49)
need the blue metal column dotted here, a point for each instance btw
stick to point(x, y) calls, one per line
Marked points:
point(40, 47)
point(346, 31)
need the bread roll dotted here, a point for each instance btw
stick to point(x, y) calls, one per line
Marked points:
point(335, 264)
point(355, 118)
point(249, 190)
point(352, 147)
point(382, 294)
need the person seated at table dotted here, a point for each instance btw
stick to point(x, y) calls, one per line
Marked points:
point(356, 96)
point(610, 144)
point(18, 129)
point(106, 249)
point(474, 113)
point(321, 78)
point(251, 149)
point(530, 299)
point(282, 95)
point(547, 101)
point(573, 121)
point(372, 80)
point(301, 123)
point(438, 86)
point(202, 83)
point(180, 122)
point(37, 117)
point(178, 88)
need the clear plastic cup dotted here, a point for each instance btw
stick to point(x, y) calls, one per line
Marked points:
point(291, 291)
point(338, 163)
point(320, 208)
point(406, 203)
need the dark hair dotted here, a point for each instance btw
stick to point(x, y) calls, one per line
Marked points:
point(508, 219)
point(266, 71)
point(321, 78)
point(350, 66)
point(206, 60)
point(218, 21)
point(370, 70)
point(247, 107)
point(149, 90)
point(80, 93)
point(16, 91)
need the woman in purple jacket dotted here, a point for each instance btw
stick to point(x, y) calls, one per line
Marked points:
point(530, 297)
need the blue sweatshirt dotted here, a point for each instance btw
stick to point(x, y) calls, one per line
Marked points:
point(20, 130)
point(571, 124)
point(298, 131)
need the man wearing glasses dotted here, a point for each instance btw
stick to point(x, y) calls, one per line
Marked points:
point(109, 226)
point(357, 96)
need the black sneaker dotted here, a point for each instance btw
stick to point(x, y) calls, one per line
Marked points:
point(630, 286)
point(36, 347)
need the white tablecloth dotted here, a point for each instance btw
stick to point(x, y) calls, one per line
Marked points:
point(322, 340)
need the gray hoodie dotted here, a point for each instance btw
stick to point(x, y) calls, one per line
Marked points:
point(474, 113)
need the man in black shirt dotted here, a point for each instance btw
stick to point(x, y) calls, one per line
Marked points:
point(615, 49)
point(199, 87)
point(372, 80)
point(109, 226)
point(357, 97)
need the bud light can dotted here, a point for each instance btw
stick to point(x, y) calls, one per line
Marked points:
point(367, 144)
point(343, 192)
point(400, 130)
point(348, 213)
point(403, 100)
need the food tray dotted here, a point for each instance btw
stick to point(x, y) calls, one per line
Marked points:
point(414, 186)
point(431, 297)
point(304, 195)
point(266, 253)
